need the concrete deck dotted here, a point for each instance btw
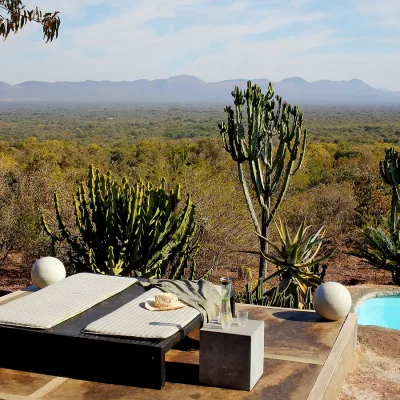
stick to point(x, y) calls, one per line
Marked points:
point(304, 358)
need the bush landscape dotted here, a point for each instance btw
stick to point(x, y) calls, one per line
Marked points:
point(48, 149)
point(279, 198)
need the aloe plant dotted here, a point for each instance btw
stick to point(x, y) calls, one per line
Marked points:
point(381, 249)
point(298, 267)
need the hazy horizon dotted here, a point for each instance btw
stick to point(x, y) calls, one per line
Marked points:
point(186, 88)
point(212, 40)
point(184, 75)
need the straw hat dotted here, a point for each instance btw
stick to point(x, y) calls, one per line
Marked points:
point(163, 302)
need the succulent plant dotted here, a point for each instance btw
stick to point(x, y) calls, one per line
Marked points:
point(299, 250)
point(381, 249)
point(298, 268)
point(129, 230)
point(389, 169)
point(380, 246)
point(272, 143)
point(297, 255)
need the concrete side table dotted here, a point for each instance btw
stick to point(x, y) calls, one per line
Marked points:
point(232, 358)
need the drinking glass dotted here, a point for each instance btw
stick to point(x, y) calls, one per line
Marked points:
point(242, 317)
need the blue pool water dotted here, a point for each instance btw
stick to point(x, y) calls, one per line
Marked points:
point(381, 311)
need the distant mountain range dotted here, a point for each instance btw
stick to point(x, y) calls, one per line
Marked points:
point(186, 89)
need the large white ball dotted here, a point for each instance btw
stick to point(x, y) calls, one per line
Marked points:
point(46, 271)
point(332, 301)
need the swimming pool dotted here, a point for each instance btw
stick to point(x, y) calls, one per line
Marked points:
point(381, 311)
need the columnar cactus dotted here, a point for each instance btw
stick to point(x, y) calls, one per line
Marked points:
point(129, 230)
point(272, 143)
point(390, 172)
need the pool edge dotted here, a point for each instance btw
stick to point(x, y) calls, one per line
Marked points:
point(363, 294)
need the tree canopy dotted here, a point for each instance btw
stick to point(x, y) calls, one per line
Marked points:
point(14, 16)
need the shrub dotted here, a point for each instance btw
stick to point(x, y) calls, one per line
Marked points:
point(21, 194)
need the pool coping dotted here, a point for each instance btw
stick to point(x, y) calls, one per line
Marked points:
point(364, 292)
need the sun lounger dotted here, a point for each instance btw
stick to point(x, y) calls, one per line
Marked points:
point(65, 349)
point(134, 320)
point(61, 301)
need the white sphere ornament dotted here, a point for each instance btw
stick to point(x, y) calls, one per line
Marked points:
point(46, 271)
point(332, 301)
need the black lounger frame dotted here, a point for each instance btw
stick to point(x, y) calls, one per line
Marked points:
point(65, 350)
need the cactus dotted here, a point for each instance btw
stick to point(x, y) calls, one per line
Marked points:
point(278, 296)
point(389, 169)
point(285, 294)
point(129, 230)
point(270, 122)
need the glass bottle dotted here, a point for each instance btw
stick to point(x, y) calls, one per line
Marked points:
point(225, 315)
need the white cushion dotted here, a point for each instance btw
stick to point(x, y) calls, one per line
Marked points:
point(62, 300)
point(134, 320)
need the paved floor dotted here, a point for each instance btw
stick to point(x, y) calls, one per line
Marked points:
point(302, 354)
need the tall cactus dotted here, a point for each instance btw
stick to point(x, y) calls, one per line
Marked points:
point(273, 147)
point(129, 230)
point(390, 172)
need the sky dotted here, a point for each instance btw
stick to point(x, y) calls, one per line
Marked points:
point(214, 40)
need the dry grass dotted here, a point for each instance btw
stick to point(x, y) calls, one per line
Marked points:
point(14, 275)
point(342, 268)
